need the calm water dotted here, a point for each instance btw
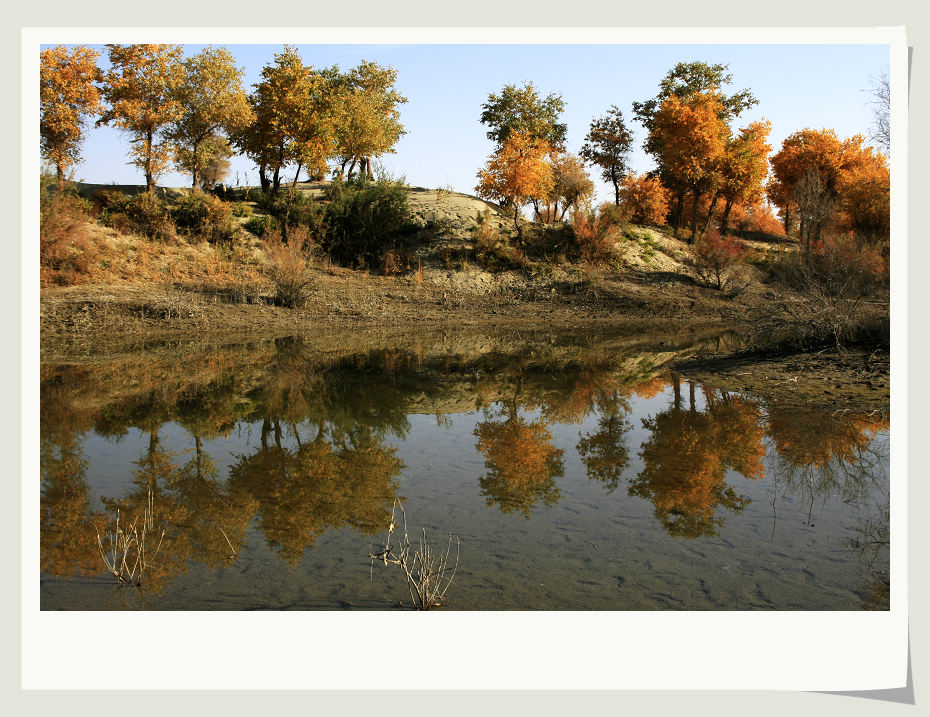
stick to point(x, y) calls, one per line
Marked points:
point(574, 477)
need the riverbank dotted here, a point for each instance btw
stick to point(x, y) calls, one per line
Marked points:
point(147, 293)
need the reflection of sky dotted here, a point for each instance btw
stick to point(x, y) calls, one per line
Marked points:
point(768, 555)
point(447, 453)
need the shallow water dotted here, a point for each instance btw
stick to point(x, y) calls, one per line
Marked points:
point(571, 478)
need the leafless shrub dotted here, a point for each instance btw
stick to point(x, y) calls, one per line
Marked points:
point(427, 571)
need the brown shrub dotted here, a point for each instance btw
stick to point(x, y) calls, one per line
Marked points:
point(289, 266)
point(67, 252)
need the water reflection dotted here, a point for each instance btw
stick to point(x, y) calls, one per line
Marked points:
point(316, 447)
point(687, 456)
point(522, 464)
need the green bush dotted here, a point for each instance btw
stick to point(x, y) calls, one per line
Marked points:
point(290, 208)
point(363, 219)
point(241, 209)
point(144, 214)
point(261, 225)
point(204, 215)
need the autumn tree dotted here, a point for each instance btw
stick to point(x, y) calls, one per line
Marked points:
point(743, 169)
point(643, 199)
point(367, 121)
point(571, 185)
point(516, 173)
point(607, 146)
point(140, 90)
point(293, 119)
point(521, 109)
point(68, 96)
point(212, 102)
point(865, 198)
point(807, 176)
point(691, 138)
point(685, 81)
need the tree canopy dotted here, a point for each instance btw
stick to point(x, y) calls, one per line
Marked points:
point(212, 102)
point(68, 96)
point(607, 146)
point(521, 109)
point(140, 90)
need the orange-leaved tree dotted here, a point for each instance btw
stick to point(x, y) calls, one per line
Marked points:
point(807, 176)
point(643, 199)
point(744, 168)
point(571, 186)
point(518, 171)
point(865, 197)
point(140, 91)
point(68, 95)
point(691, 136)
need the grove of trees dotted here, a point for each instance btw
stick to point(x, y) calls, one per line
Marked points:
point(712, 174)
point(192, 113)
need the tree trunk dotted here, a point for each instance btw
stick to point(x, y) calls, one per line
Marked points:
point(726, 216)
point(787, 219)
point(194, 168)
point(300, 165)
point(149, 179)
point(679, 209)
point(710, 214)
point(616, 182)
point(694, 217)
point(516, 223)
point(352, 167)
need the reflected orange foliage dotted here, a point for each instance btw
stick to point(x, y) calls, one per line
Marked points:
point(807, 436)
point(686, 459)
point(522, 464)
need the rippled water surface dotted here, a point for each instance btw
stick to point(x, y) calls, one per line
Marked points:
point(573, 477)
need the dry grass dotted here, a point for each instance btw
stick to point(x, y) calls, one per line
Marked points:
point(127, 556)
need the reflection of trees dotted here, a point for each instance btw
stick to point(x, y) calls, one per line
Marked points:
point(688, 454)
point(604, 452)
point(67, 520)
point(822, 453)
point(521, 461)
point(318, 487)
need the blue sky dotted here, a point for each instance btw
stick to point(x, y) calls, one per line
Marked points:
point(803, 85)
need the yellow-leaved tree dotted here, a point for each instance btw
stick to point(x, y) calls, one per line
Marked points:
point(367, 119)
point(212, 102)
point(68, 95)
point(140, 90)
